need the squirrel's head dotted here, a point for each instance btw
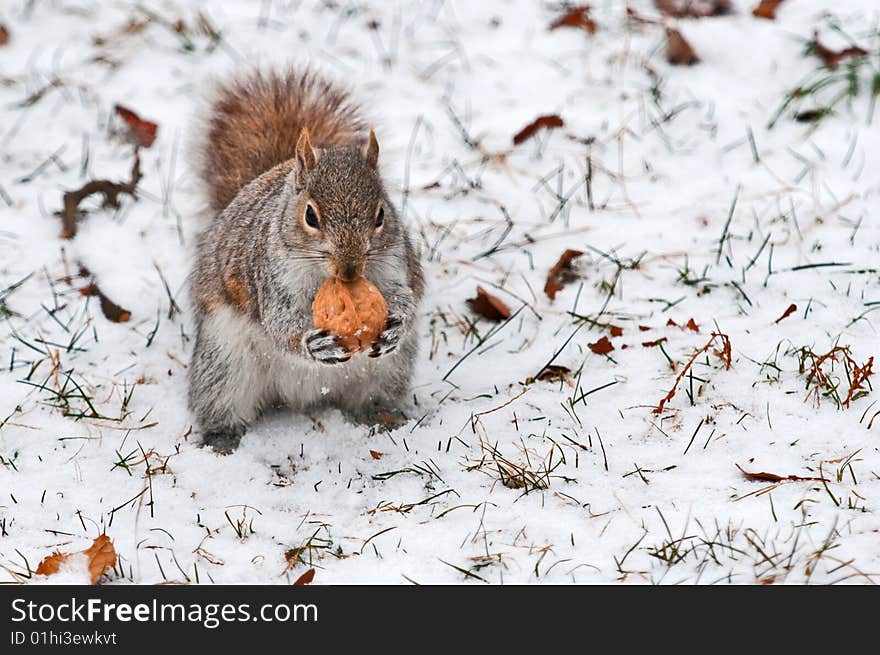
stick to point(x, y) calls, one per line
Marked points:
point(342, 215)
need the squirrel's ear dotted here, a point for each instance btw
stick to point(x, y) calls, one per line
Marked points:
point(305, 154)
point(371, 153)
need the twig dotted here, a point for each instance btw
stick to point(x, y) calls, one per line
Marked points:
point(110, 191)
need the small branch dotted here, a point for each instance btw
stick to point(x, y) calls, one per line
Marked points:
point(110, 190)
point(724, 354)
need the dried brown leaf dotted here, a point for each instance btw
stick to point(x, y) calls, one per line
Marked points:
point(763, 476)
point(143, 131)
point(791, 309)
point(767, 9)
point(561, 273)
point(547, 121)
point(833, 57)
point(305, 578)
point(578, 17)
point(101, 555)
point(554, 373)
point(489, 306)
point(678, 51)
point(602, 347)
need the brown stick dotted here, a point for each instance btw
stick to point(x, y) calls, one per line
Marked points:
point(724, 354)
point(110, 309)
point(110, 191)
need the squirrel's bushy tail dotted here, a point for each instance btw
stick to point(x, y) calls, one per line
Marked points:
point(254, 122)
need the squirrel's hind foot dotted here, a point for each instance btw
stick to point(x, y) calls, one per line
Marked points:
point(222, 442)
point(382, 419)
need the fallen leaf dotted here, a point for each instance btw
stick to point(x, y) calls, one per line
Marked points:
point(554, 373)
point(4, 35)
point(143, 131)
point(767, 9)
point(678, 50)
point(602, 347)
point(376, 454)
point(834, 57)
point(547, 121)
point(656, 342)
point(305, 578)
point(694, 8)
point(561, 273)
point(671, 323)
point(644, 328)
point(763, 476)
point(691, 325)
point(578, 17)
point(792, 308)
point(101, 555)
point(489, 306)
point(616, 331)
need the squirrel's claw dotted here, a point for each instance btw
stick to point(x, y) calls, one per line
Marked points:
point(324, 347)
point(389, 339)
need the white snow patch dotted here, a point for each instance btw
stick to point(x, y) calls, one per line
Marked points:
point(572, 481)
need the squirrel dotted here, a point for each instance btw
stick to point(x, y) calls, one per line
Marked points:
point(291, 172)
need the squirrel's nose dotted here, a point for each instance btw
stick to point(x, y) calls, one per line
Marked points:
point(349, 271)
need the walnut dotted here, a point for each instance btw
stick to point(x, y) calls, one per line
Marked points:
point(356, 311)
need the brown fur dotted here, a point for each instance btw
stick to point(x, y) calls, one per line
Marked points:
point(255, 123)
point(236, 292)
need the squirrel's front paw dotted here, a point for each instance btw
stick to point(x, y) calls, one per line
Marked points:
point(325, 347)
point(389, 339)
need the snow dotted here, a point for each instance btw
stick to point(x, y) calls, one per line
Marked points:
point(612, 492)
point(73, 570)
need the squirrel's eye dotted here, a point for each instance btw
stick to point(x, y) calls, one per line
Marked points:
point(311, 217)
point(380, 217)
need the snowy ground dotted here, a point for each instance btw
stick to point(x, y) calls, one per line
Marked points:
point(495, 479)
